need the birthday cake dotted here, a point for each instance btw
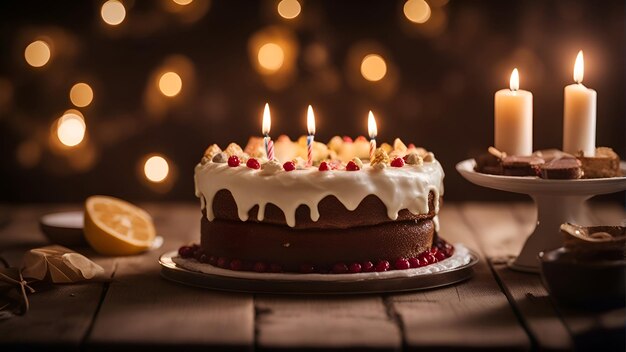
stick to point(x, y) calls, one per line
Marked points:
point(334, 214)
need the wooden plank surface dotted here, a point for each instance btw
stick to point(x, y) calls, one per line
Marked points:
point(474, 314)
point(142, 310)
point(60, 315)
point(540, 314)
point(335, 323)
point(501, 234)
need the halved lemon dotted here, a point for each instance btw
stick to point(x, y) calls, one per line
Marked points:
point(116, 227)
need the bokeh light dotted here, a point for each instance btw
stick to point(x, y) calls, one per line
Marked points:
point(37, 53)
point(373, 67)
point(113, 12)
point(289, 9)
point(71, 129)
point(417, 11)
point(183, 2)
point(156, 168)
point(170, 84)
point(271, 56)
point(81, 94)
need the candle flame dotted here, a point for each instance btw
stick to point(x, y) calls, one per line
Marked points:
point(310, 121)
point(514, 82)
point(579, 68)
point(267, 120)
point(372, 129)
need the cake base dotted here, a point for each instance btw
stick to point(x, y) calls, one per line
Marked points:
point(457, 268)
point(254, 242)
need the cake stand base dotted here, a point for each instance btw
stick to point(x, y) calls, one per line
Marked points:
point(552, 211)
point(557, 202)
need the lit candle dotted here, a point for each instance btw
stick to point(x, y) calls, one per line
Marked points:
point(579, 114)
point(310, 125)
point(267, 124)
point(372, 130)
point(514, 119)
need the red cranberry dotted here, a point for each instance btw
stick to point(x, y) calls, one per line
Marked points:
point(382, 265)
point(222, 262)
point(276, 268)
point(197, 253)
point(440, 255)
point(213, 260)
point(367, 267)
point(259, 267)
point(361, 138)
point(352, 166)
point(289, 166)
point(307, 268)
point(397, 162)
point(402, 264)
point(347, 139)
point(431, 258)
point(355, 268)
point(253, 164)
point(416, 262)
point(233, 161)
point(236, 265)
point(324, 166)
point(340, 268)
point(186, 251)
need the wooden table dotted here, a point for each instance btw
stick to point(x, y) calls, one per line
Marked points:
point(496, 309)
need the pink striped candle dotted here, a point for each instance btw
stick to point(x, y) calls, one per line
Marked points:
point(267, 125)
point(310, 124)
point(372, 130)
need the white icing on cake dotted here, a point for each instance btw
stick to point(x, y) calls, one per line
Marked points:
point(460, 258)
point(406, 187)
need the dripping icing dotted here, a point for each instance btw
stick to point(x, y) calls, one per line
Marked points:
point(398, 188)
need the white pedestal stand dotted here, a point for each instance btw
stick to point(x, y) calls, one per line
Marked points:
point(557, 202)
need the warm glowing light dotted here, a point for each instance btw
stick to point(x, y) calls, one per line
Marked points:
point(310, 121)
point(156, 168)
point(417, 11)
point(372, 129)
point(81, 94)
point(183, 2)
point(271, 56)
point(579, 68)
point(514, 82)
point(267, 120)
point(170, 84)
point(113, 12)
point(289, 9)
point(373, 67)
point(71, 129)
point(37, 53)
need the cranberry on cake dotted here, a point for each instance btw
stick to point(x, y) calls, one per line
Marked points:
point(340, 215)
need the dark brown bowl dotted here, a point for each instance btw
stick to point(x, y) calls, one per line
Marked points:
point(591, 281)
point(65, 228)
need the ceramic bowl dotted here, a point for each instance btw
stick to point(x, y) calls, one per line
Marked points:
point(593, 281)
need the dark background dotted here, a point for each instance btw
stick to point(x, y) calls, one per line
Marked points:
point(438, 92)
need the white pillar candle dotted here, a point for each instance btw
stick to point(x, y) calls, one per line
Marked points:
point(514, 119)
point(579, 114)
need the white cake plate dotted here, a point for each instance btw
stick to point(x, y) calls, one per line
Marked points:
point(557, 202)
point(447, 272)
